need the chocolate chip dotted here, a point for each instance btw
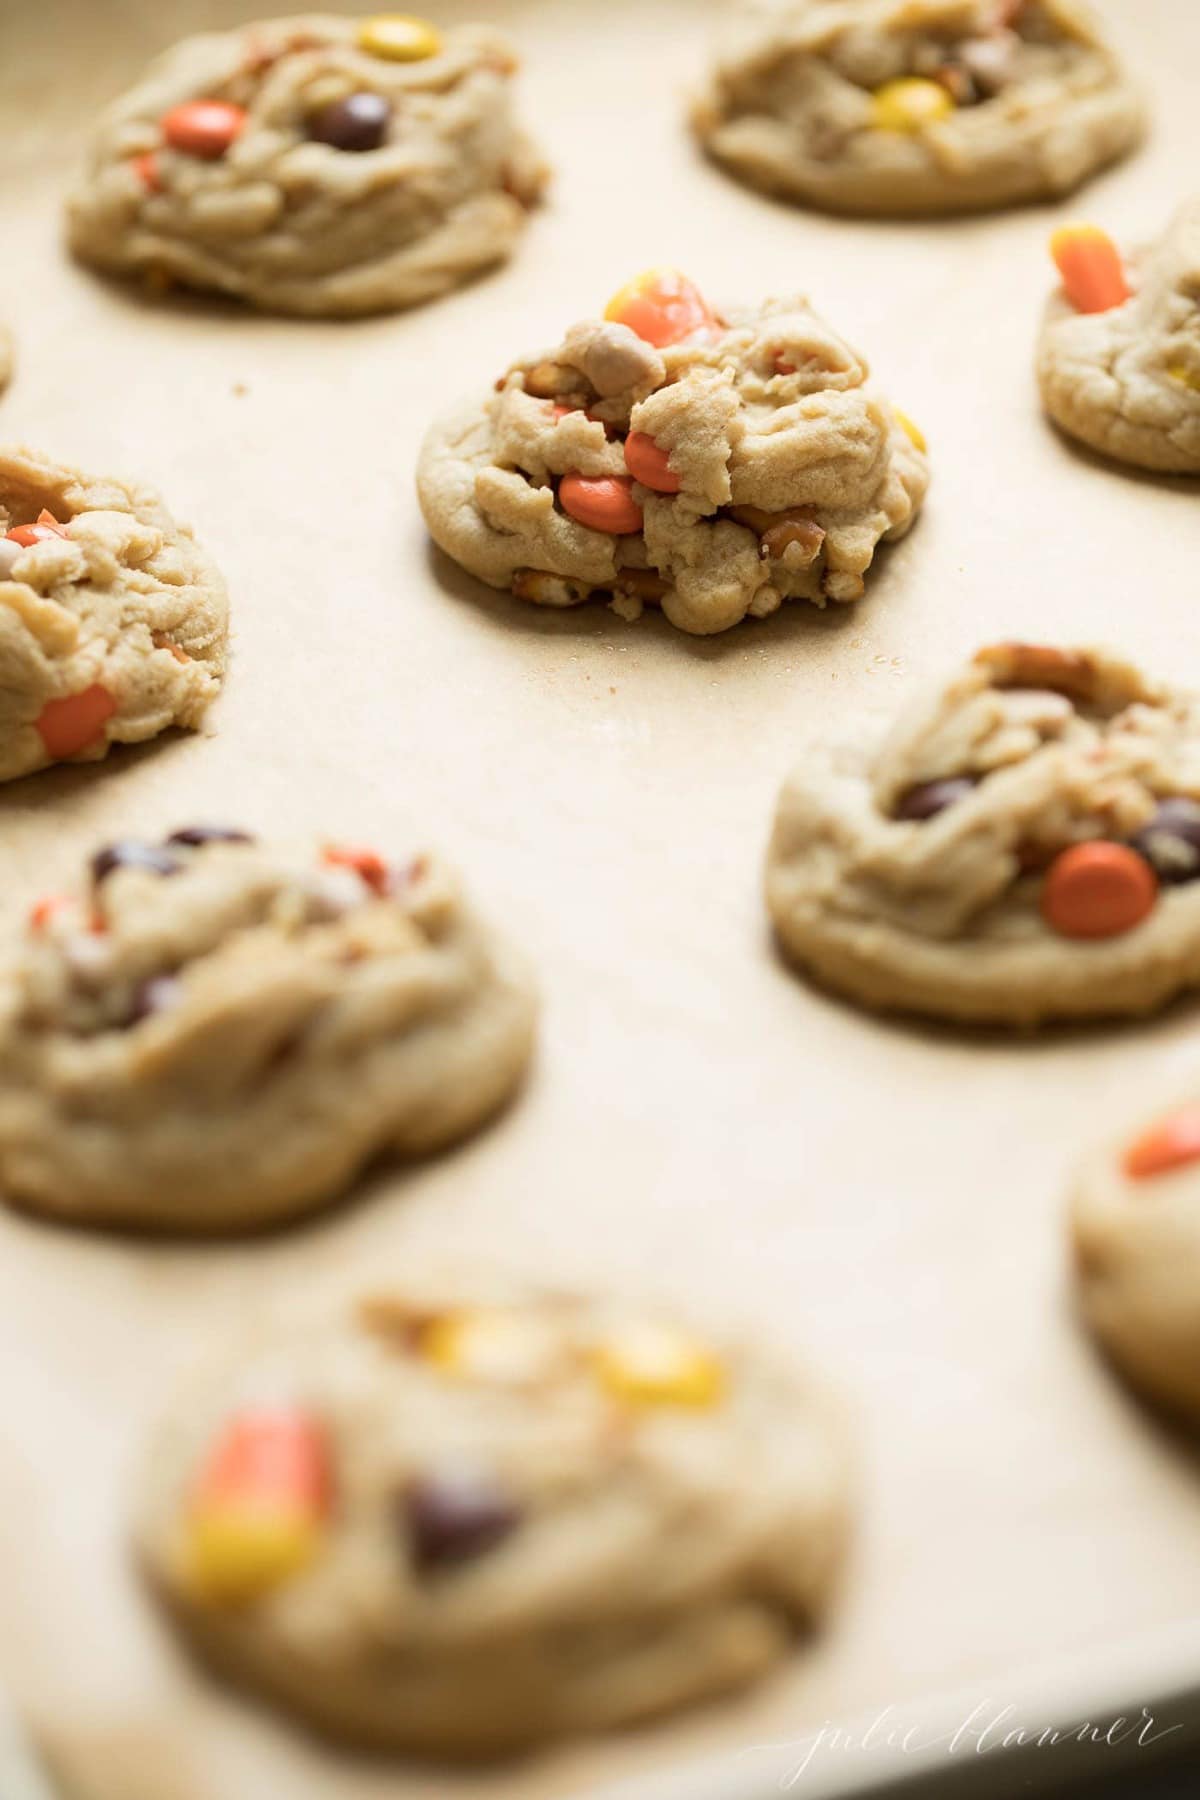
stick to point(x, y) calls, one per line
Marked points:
point(157, 994)
point(192, 836)
point(931, 797)
point(454, 1516)
point(359, 122)
point(130, 854)
point(1170, 841)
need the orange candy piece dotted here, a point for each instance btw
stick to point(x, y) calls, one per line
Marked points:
point(1170, 1144)
point(650, 464)
point(43, 910)
point(662, 306)
point(603, 502)
point(145, 167)
point(1092, 271)
point(366, 863)
point(1098, 890)
point(46, 526)
point(274, 1454)
point(203, 127)
point(75, 722)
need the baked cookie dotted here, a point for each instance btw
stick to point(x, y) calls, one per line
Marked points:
point(113, 620)
point(1119, 356)
point(1135, 1220)
point(1024, 845)
point(315, 165)
point(917, 106)
point(714, 465)
point(215, 1035)
point(461, 1519)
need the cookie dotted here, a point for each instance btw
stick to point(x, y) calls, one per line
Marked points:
point(1118, 359)
point(713, 465)
point(1023, 845)
point(315, 165)
point(113, 620)
point(917, 106)
point(459, 1519)
point(1135, 1222)
point(215, 1035)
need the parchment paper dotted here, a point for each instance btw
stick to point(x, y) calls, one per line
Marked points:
point(884, 1199)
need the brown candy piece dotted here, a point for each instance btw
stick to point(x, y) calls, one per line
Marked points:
point(455, 1515)
point(130, 853)
point(357, 123)
point(1170, 841)
point(193, 836)
point(929, 798)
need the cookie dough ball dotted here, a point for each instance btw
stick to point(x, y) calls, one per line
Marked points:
point(314, 165)
point(917, 106)
point(1024, 845)
point(1136, 1226)
point(113, 620)
point(213, 1034)
point(714, 465)
point(1119, 356)
point(459, 1520)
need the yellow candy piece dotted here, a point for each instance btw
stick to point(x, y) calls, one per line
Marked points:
point(235, 1553)
point(912, 432)
point(655, 1365)
point(399, 37)
point(489, 1346)
point(909, 104)
point(1188, 378)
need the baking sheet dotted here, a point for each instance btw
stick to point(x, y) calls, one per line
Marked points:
point(885, 1199)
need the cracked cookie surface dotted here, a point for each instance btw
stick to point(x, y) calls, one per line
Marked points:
point(314, 164)
point(214, 1034)
point(459, 1518)
point(113, 620)
point(917, 106)
point(1135, 1225)
point(1018, 848)
point(1124, 378)
point(717, 469)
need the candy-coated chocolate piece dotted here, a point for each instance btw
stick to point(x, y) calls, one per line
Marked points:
point(1093, 274)
point(45, 526)
point(1098, 890)
point(192, 836)
point(76, 722)
point(146, 168)
point(159, 993)
point(912, 432)
point(1170, 841)
point(1170, 1143)
point(601, 502)
point(399, 37)
point(236, 1553)
point(655, 1365)
point(648, 463)
point(493, 1345)
point(929, 798)
point(204, 128)
point(357, 123)
point(662, 306)
point(452, 1516)
point(368, 864)
point(277, 1452)
point(43, 910)
point(909, 104)
point(131, 853)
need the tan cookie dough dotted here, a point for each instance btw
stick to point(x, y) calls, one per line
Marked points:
point(790, 469)
point(1135, 1221)
point(508, 1514)
point(917, 106)
point(214, 1034)
point(112, 628)
point(372, 168)
point(932, 867)
point(1127, 381)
